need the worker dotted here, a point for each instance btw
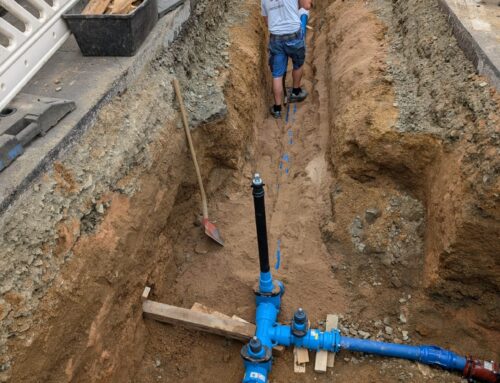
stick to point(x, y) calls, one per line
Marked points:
point(286, 40)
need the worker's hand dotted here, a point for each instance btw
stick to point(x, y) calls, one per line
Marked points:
point(306, 4)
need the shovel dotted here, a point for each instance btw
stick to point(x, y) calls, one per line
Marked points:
point(210, 228)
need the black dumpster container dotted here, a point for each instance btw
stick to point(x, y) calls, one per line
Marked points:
point(112, 35)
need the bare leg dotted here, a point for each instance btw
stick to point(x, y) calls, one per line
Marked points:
point(277, 90)
point(297, 76)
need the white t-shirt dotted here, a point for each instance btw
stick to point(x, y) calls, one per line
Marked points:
point(283, 16)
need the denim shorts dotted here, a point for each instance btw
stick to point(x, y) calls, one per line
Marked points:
point(280, 51)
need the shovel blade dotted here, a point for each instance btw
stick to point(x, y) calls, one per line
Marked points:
point(213, 232)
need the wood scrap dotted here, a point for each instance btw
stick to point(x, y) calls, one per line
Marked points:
point(278, 350)
point(96, 7)
point(145, 293)
point(332, 322)
point(229, 328)
point(321, 360)
point(301, 354)
point(120, 6)
point(113, 7)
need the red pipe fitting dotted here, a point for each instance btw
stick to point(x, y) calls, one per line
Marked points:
point(482, 371)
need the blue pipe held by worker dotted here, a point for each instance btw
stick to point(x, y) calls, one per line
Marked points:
point(304, 17)
point(257, 354)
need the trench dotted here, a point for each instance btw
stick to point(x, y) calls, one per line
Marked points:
point(353, 212)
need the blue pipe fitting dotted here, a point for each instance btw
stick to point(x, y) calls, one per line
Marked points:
point(257, 354)
point(266, 285)
point(303, 23)
point(300, 323)
point(256, 373)
point(267, 295)
point(313, 339)
point(431, 355)
point(257, 359)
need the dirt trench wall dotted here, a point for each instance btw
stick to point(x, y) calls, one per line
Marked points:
point(440, 94)
point(77, 249)
point(414, 146)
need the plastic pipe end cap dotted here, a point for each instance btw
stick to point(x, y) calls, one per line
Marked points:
point(257, 180)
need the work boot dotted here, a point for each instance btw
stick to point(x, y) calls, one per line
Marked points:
point(301, 96)
point(276, 113)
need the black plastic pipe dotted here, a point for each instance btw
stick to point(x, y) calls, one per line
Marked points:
point(260, 222)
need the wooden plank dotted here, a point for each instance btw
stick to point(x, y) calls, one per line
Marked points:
point(96, 7)
point(204, 309)
point(297, 367)
point(278, 350)
point(302, 355)
point(321, 360)
point(235, 317)
point(332, 322)
point(145, 293)
point(229, 328)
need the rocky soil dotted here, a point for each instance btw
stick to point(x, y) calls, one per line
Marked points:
point(382, 189)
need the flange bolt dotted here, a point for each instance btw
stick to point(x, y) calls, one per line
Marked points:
point(255, 345)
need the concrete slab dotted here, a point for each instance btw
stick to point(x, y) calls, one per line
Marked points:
point(89, 81)
point(476, 25)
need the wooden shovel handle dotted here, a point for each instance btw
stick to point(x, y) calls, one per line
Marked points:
point(178, 93)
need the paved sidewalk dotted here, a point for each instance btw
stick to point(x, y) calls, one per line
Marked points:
point(476, 25)
point(89, 81)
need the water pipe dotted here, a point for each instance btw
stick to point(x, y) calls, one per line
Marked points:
point(304, 16)
point(257, 354)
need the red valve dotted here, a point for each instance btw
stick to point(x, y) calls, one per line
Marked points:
point(482, 371)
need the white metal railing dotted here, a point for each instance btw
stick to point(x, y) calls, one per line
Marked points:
point(23, 53)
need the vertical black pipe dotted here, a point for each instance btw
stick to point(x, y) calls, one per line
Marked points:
point(260, 222)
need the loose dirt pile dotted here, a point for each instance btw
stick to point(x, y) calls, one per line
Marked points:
point(382, 189)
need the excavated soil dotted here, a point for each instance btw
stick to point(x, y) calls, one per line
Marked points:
point(382, 191)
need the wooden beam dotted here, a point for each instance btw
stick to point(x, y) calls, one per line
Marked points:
point(229, 328)
point(198, 307)
point(332, 322)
